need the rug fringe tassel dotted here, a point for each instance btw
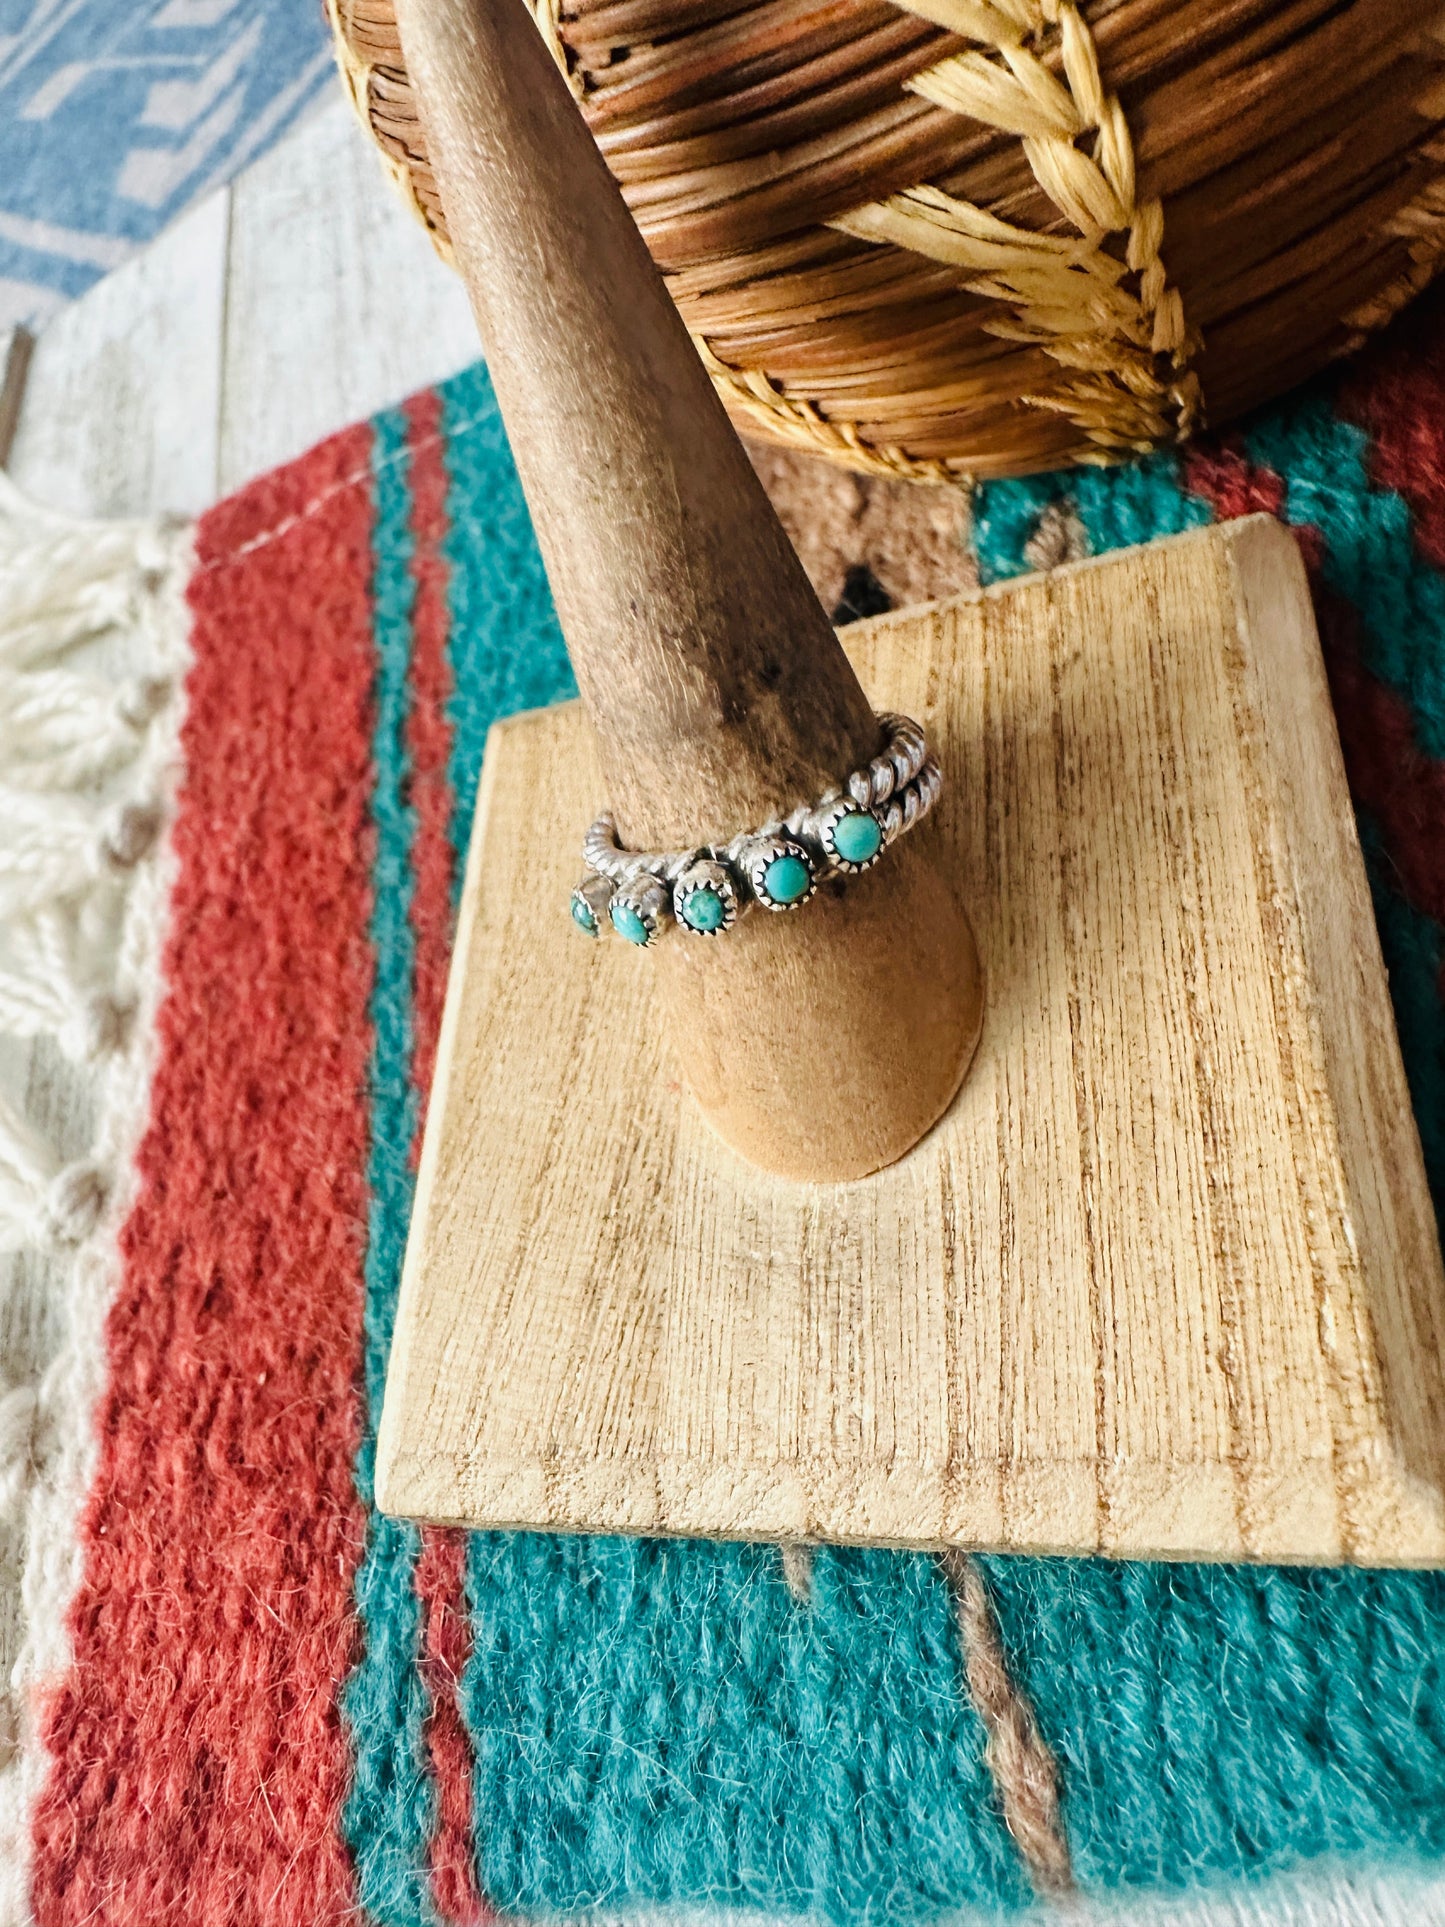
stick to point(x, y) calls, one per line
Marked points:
point(94, 646)
point(88, 668)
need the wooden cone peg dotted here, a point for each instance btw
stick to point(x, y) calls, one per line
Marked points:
point(821, 1043)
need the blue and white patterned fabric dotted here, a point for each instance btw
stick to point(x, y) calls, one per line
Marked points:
point(114, 114)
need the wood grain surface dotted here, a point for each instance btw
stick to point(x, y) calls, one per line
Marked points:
point(1165, 1279)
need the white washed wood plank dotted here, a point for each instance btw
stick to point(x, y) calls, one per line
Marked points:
point(336, 304)
point(122, 404)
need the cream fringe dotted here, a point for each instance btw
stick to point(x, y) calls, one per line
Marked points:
point(93, 653)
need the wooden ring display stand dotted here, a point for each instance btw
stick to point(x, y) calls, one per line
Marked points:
point(1162, 1278)
point(821, 1044)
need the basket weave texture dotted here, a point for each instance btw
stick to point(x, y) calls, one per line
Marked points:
point(955, 238)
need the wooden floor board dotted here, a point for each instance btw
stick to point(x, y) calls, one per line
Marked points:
point(122, 405)
point(299, 299)
point(336, 302)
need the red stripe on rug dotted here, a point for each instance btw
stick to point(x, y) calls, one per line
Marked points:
point(199, 1758)
point(1221, 474)
point(446, 1630)
point(446, 1648)
point(1398, 397)
point(1389, 774)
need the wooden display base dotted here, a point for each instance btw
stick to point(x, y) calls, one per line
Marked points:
point(1164, 1280)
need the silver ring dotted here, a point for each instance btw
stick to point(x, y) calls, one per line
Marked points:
point(642, 894)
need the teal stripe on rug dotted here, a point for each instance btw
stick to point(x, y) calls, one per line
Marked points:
point(1369, 555)
point(1116, 506)
point(1219, 1722)
point(505, 646)
point(657, 1723)
point(389, 1817)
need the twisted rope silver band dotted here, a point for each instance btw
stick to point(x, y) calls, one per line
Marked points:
point(706, 888)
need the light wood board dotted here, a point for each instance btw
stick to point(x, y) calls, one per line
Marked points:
point(1164, 1281)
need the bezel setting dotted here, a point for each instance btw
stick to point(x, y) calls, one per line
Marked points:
point(707, 874)
point(649, 901)
point(826, 829)
point(762, 853)
point(591, 903)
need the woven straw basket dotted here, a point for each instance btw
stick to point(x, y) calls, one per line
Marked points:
point(949, 238)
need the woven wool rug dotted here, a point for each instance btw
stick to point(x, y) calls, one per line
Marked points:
point(238, 763)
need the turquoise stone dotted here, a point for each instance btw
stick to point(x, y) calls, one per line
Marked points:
point(582, 916)
point(705, 910)
point(627, 923)
point(857, 837)
point(786, 879)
